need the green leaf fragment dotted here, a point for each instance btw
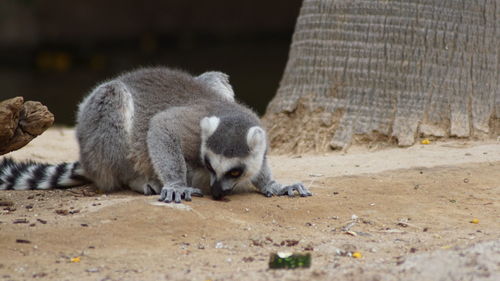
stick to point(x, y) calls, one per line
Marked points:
point(290, 262)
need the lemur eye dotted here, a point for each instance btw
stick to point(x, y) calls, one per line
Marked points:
point(235, 173)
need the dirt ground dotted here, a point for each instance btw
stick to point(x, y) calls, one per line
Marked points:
point(408, 212)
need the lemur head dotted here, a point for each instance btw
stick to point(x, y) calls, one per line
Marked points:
point(232, 150)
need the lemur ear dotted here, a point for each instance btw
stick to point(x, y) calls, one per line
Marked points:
point(256, 139)
point(209, 125)
point(218, 82)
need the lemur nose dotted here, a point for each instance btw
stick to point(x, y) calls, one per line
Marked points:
point(217, 191)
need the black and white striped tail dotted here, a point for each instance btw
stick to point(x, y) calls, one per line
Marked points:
point(32, 175)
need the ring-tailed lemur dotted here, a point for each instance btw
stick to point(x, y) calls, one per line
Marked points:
point(161, 131)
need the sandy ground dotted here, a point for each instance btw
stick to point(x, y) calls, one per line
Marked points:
point(407, 211)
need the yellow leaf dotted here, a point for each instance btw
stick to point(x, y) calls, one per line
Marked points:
point(357, 255)
point(474, 221)
point(425, 141)
point(75, 259)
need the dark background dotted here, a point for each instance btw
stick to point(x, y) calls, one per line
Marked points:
point(55, 51)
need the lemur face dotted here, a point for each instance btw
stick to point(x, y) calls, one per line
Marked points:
point(239, 161)
point(225, 173)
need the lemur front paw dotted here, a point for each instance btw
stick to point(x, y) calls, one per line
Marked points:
point(169, 193)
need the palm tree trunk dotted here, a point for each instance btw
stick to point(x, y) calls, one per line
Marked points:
point(366, 71)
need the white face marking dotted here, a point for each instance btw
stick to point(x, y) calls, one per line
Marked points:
point(222, 165)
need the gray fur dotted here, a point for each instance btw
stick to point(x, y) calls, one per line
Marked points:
point(103, 138)
point(141, 130)
point(219, 82)
point(234, 127)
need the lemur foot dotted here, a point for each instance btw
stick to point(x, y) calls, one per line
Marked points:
point(280, 190)
point(150, 189)
point(169, 194)
point(299, 187)
point(142, 185)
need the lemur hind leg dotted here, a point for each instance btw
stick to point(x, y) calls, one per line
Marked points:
point(104, 122)
point(144, 186)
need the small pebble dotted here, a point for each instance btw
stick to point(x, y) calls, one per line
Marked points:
point(62, 212)
point(92, 270)
point(248, 259)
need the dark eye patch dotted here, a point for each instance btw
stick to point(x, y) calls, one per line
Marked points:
point(208, 165)
point(235, 172)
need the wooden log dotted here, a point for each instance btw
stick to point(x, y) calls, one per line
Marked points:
point(21, 122)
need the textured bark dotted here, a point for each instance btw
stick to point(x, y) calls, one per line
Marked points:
point(388, 70)
point(20, 122)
